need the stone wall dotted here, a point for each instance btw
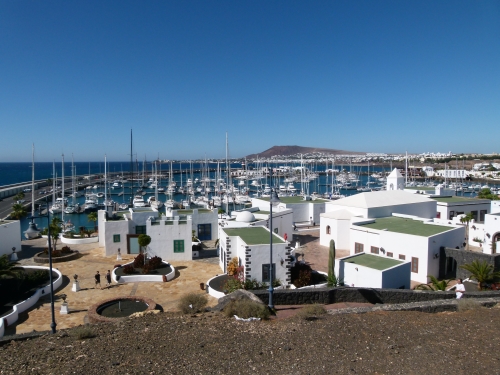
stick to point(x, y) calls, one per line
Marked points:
point(363, 295)
point(464, 257)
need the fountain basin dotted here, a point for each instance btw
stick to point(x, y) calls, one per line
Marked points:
point(119, 308)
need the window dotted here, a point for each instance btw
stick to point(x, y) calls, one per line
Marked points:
point(358, 248)
point(438, 215)
point(481, 214)
point(328, 230)
point(474, 215)
point(390, 255)
point(116, 238)
point(402, 257)
point(178, 246)
point(414, 265)
point(374, 250)
point(204, 232)
point(275, 230)
point(452, 214)
point(265, 273)
point(140, 229)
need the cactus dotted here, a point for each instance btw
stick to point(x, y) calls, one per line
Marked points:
point(331, 259)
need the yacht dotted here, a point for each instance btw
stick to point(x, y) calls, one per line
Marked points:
point(138, 201)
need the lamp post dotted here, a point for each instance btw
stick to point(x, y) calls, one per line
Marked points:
point(273, 201)
point(53, 323)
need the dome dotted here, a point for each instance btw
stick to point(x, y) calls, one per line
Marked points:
point(245, 217)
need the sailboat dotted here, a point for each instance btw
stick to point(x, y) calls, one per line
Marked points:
point(32, 231)
point(154, 202)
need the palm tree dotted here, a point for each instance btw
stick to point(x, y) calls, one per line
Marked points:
point(481, 271)
point(92, 217)
point(55, 230)
point(221, 211)
point(466, 220)
point(435, 284)
point(18, 211)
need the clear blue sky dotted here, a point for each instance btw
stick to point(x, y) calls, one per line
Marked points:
point(371, 76)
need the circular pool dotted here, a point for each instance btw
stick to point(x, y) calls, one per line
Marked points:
point(119, 308)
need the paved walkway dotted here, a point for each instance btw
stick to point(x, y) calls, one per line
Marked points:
point(189, 276)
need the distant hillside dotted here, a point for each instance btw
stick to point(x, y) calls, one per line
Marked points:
point(296, 150)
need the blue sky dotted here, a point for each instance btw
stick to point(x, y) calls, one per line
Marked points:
point(369, 76)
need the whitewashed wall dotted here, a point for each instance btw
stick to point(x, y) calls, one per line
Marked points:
point(163, 236)
point(491, 228)
point(339, 232)
point(444, 210)
point(112, 227)
point(421, 209)
point(10, 236)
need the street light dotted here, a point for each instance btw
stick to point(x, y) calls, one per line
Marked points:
point(273, 201)
point(53, 324)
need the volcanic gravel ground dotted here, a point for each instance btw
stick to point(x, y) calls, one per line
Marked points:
point(373, 343)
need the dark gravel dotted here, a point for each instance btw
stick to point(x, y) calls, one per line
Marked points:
point(373, 343)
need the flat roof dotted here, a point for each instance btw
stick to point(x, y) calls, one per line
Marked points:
point(190, 211)
point(407, 226)
point(253, 235)
point(455, 199)
point(420, 187)
point(373, 261)
point(296, 199)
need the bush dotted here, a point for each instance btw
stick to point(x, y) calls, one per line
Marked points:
point(192, 303)
point(247, 309)
point(155, 263)
point(139, 261)
point(146, 269)
point(232, 267)
point(311, 312)
point(83, 332)
point(129, 269)
point(65, 250)
point(301, 275)
point(465, 304)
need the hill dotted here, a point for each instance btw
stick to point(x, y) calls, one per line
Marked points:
point(297, 150)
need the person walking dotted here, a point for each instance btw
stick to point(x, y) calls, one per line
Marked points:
point(108, 279)
point(97, 279)
point(459, 289)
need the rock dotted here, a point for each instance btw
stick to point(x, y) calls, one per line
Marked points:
point(238, 295)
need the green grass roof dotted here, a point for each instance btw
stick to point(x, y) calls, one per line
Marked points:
point(296, 199)
point(420, 188)
point(373, 261)
point(253, 236)
point(189, 212)
point(455, 199)
point(407, 226)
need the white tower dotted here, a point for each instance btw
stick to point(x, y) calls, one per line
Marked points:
point(395, 181)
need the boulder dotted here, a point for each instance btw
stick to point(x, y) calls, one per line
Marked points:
point(238, 295)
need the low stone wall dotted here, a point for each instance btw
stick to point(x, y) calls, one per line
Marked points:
point(77, 241)
point(363, 295)
point(64, 258)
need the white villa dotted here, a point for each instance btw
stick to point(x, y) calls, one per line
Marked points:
point(171, 236)
point(251, 245)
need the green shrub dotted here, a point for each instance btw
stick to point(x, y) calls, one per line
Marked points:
point(192, 303)
point(311, 312)
point(129, 269)
point(83, 332)
point(44, 231)
point(301, 274)
point(247, 309)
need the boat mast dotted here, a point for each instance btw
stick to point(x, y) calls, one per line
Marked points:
point(406, 169)
point(62, 190)
point(33, 180)
point(105, 184)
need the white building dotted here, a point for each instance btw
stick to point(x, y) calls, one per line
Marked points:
point(251, 246)
point(449, 207)
point(407, 239)
point(170, 235)
point(10, 236)
point(302, 210)
point(372, 271)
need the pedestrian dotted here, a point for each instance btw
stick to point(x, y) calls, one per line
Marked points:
point(97, 278)
point(459, 289)
point(108, 279)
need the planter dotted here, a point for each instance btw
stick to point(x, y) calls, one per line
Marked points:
point(76, 241)
point(25, 305)
point(42, 258)
point(135, 278)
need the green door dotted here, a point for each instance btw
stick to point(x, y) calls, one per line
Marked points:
point(133, 245)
